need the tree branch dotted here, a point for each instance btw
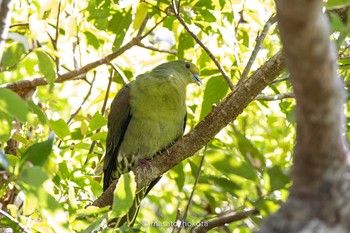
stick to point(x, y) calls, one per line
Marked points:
point(257, 47)
point(5, 13)
point(142, 45)
point(217, 119)
point(210, 54)
point(16, 86)
point(225, 219)
point(319, 198)
point(275, 97)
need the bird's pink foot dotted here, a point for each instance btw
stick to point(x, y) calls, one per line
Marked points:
point(144, 163)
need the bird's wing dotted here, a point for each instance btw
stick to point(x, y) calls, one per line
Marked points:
point(118, 121)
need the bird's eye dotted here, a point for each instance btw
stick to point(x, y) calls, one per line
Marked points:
point(188, 65)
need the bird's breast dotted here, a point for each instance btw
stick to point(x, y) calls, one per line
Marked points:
point(156, 122)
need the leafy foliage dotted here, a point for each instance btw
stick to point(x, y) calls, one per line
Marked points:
point(52, 143)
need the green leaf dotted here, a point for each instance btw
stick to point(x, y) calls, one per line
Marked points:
point(101, 136)
point(141, 13)
point(185, 42)
point(92, 40)
point(33, 177)
point(46, 67)
point(278, 180)
point(228, 185)
point(97, 121)
point(123, 195)
point(92, 210)
point(37, 110)
point(38, 153)
point(331, 4)
point(60, 128)
point(5, 126)
point(12, 104)
point(247, 148)
point(12, 55)
point(95, 225)
point(119, 24)
point(215, 89)
point(180, 175)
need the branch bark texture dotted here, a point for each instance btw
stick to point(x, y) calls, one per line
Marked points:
point(216, 120)
point(319, 196)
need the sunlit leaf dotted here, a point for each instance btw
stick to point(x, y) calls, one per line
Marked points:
point(46, 67)
point(39, 152)
point(215, 89)
point(12, 55)
point(123, 195)
point(12, 104)
point(60, 128)
point(97, 121)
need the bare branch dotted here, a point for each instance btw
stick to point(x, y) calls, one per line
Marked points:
point(5, 15)
point(225, 218)
point(23, 228)
point(275, 97)
point(15, 86)
point(210, 54)
point(257, 47)
point(193, 190)
point(120, 73)
point(173, 52)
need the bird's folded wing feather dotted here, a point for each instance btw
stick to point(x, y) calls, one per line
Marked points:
point(118, 121)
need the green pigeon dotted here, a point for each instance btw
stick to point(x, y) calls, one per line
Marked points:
point(146, 116)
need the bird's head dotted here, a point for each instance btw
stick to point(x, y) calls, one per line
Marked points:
point(188, 70)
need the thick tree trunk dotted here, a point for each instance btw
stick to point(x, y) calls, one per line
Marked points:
point(320, 196)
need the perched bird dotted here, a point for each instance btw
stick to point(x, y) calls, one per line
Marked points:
point(146, 116)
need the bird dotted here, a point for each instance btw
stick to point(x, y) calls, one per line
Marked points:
point(147, 115)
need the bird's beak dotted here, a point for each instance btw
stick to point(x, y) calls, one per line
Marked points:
point(196, 79)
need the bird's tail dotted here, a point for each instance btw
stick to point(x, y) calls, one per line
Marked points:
point(130, 217)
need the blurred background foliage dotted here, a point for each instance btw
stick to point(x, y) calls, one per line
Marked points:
point(53, 140)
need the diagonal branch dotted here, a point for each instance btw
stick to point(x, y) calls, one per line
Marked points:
point(216, 120)
point(257, 47)
point(16, 86)
point(224, 219)
point(210, 54)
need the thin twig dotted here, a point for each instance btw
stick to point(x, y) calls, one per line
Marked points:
point(275, 97)
point(120, 73)
point(81, 105)
point(177, 218)
point(143, 26)
point(175, 8)
point(103, 110)
point(280, 79)
point(151, 30)
point(19, 25)
point(23, 228)
point(155, 7)
point(257, 47)
point(57, 59)
point(5, 12)
point(85, 99)
point(224, 219)
point(193, 190)
point(210, 54)
point(174, 52)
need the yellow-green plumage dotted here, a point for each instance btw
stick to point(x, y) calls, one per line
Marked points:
point(146, 116)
